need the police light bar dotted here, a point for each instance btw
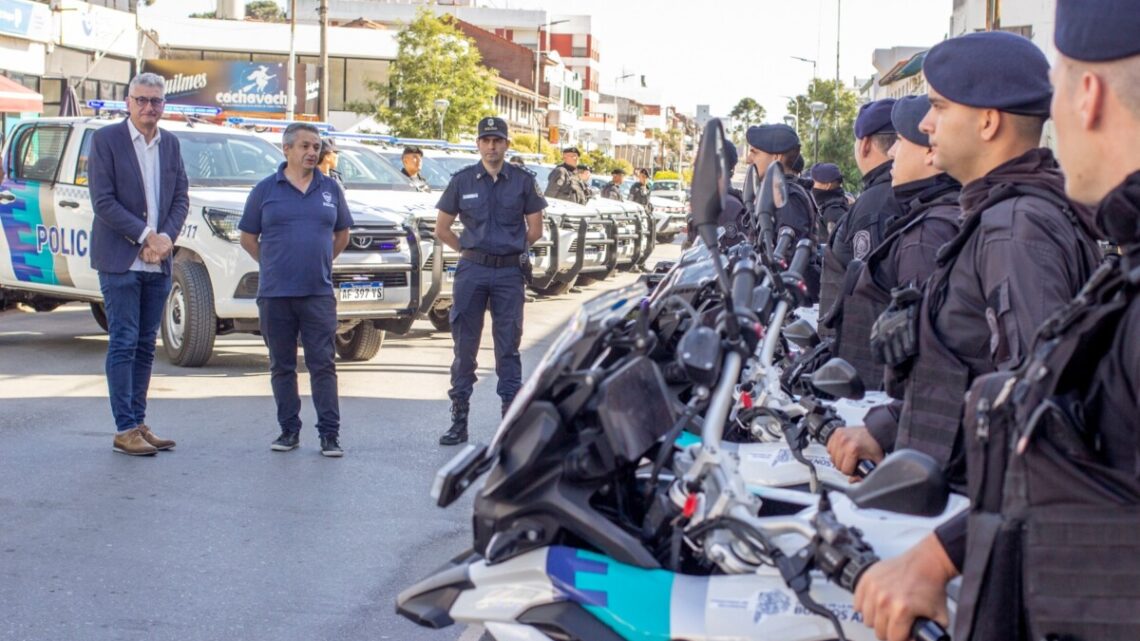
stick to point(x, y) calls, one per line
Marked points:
point(270, 122)
point(391, 140)
point(169, 109)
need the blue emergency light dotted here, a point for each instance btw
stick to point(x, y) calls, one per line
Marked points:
point(169, 109)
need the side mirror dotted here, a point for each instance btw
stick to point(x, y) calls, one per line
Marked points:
point(773, 195)
point(838, 378)
point(710, 182)
point(802, 334)
point(699, 352)
point(907, 482)
point(751, 184)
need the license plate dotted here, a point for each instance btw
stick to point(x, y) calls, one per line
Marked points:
point(592, 255)
point(449, 275)
point(352, 292)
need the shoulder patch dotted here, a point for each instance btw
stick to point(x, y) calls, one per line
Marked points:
point(861, 244)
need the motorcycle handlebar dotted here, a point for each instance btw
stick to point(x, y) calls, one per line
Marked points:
point(743, 283)
point(783, 243)
point(800, 258)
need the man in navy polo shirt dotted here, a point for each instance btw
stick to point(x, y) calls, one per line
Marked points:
point(295, 222)
point(500, 206)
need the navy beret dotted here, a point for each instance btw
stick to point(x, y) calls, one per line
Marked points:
point(874, 118)
point(826, 172)
point(772, 139)
point(1097, 30)
point(991, 70)
point(731, 156)
point(907, 113)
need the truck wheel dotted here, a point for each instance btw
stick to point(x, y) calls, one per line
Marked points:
point(440, 319)
point(555, 289)
point(100, 315)
point(188, 322)
point(361, 343)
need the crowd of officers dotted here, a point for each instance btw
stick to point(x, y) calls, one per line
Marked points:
point(987, 284)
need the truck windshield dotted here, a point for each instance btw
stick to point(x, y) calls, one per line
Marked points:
point(362, 168)
point(226, 160)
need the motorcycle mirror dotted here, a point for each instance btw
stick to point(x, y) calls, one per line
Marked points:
point(802, 334)
point(751, 184)
point(699, 353)
point(907, 482)
point(710, 181)
point(838, 378)
point(457, 475)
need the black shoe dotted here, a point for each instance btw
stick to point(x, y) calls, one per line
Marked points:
point(330, 446)
point(287, 441)
point(457, 433)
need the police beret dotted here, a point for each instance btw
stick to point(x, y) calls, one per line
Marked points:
point(411, 149)
point(874, 118)
point(772, 139)
point(731, 156)
point(906, 114)
point(583, 168)
point(826, 172)
point(571, 150)
point(1097, 30)
point(493, 127)
point(991, 70)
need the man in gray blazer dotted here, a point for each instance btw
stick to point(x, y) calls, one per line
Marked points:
point(139, 193)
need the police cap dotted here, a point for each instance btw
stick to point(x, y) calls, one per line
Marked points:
point(618, 170)
point(826, 172)
point(874, 118)
point(571, 150)
point(906, 114)
point(412, 150)
point(1097, 30)
point(772, 139)
point(328, 146)
point(991, 70)
point(492, 127)
point(583, 168)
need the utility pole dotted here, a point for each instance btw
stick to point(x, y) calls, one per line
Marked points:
point(291, 82)
point(323, 110)
point(838, 27)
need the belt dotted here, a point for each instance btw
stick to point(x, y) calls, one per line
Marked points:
point(490, 260)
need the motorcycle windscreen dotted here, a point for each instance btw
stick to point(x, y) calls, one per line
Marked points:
point(634, 408)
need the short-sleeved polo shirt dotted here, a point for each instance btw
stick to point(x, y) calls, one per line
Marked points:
point(296, 233)
point(493, 212)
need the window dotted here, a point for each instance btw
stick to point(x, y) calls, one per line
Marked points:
point(37, 152)
point(84, 154)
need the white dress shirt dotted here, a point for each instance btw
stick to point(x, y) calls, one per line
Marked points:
point(149, 165)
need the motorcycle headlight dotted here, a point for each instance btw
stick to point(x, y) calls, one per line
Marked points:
point(223, 222)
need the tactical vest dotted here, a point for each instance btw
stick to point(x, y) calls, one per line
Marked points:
point(1054, 551)
point(830, 287)
point(937, 384)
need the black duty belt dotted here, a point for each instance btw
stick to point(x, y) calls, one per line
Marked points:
point(490, 260)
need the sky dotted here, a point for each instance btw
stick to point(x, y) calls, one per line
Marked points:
point(716, 52)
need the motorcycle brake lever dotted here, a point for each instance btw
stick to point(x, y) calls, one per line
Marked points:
point(796, 574)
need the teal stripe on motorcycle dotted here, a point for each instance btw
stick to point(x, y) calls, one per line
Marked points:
point(686, 439)
point(632, 601)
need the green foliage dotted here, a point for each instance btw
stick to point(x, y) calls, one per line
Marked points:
point(601, 164)
point(435, 60)
point(665, 174)
point(746, 113)
point(836, 128)
point(265, 10)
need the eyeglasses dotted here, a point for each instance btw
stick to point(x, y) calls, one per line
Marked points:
point(143, 101)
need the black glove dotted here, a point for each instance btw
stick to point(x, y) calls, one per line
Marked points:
point(527, 267)
point(894, 336)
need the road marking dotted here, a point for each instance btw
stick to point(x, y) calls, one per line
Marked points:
point(472, 633)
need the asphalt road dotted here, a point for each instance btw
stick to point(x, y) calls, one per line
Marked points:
point(222, 539)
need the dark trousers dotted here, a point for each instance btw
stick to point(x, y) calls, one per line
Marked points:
point(479, 288)
point(134, 302)
point(314, 318)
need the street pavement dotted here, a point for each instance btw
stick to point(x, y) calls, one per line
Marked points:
point(222, 539)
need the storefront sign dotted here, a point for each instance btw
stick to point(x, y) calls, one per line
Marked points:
point(30, 20)
point(254, 87)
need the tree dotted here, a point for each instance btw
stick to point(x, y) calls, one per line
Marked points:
point(836, 127)
point(747, 112)
point(434, 60)
point(265, 11)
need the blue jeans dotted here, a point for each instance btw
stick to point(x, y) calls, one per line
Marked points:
point(314, 318)
point(134, 303)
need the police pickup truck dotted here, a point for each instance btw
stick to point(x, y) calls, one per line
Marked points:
point(46, 214)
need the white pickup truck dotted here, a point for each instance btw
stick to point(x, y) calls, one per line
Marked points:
point(46, 215)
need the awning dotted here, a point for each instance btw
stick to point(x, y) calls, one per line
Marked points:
point(16, 98)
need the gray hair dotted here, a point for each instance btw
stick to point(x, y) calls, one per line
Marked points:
point(148, 80)
point(291, 132)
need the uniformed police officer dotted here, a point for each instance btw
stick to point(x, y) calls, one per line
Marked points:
point(583, 191)
point(1055, 557)
point(612, 190)
point(500, 207)
point(639, 191)
point(327, 162)
point(928, 198)
point(863, 227)
point(1021, 253)
point(779, 143)
point(562, 183)
point(830, 198)
point(412, 160)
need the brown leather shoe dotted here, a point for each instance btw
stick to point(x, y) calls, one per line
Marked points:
point(158, 443)
point(132, 443)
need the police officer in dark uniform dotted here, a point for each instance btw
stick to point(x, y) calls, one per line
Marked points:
point(500, 207)
point(639, 191)
point(583, 192)
point(830, 199)
point(412, 160)
point(1021, 253)
point(779, 143)
point(612, 190)
point(928, 198)
point(1049, 550)
point(862, 229)
point(563, 182)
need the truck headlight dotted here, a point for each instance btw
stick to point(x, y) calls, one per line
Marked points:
point(223, 222)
